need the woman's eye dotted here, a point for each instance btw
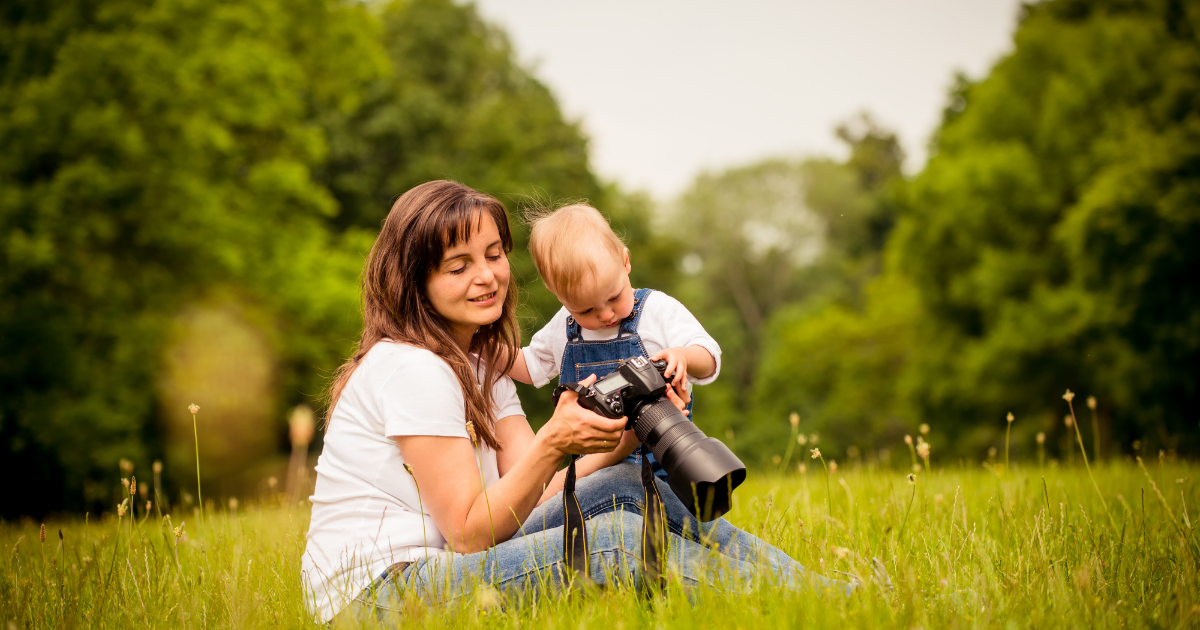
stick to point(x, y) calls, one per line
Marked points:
point(496, 257)
point(459, 270)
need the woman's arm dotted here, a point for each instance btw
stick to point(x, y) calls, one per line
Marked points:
point(447, 472)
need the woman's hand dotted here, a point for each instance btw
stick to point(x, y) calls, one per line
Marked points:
point(574, 430)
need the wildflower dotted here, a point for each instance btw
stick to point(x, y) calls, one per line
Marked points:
point(126, 466)
point(814, 438)
point(121, 509)
point(794, 419)
point(916, 468)
point(301, 426)
point(923, 449)
point(43, 535)
point(233, 503)
point(272, 482)
point(179, 531)
point(803, 469)
point(1041, 438)
point(924, 429)
point(1069, 396)
point(125, 482)
point(912, 479)
point(802, 439)
point(408, 469)
point(937, 498)
point(133, 487)
point(471, 432)
point(833, 465)
point(1091, 402)
point(194, 408)
point(157, 467)
point(1011, 417)
point(841, 552)
point(816, 453)
point(908, 440)
point(148, 506)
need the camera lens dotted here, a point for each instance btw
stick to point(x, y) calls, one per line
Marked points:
point(701, 471)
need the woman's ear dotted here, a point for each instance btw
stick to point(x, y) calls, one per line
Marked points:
point(625, 255)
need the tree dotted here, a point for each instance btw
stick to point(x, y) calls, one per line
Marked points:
point(1052, 237)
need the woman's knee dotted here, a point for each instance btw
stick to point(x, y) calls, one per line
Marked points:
point(615, 530)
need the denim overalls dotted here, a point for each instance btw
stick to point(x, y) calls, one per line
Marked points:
point(583, 358)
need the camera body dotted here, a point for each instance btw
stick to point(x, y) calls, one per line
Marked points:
point(701, 471)
point(635, 382)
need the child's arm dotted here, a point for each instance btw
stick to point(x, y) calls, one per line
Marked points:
point(520, 371)
point(688, 360)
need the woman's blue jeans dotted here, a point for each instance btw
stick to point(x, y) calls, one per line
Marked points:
point(531, 563)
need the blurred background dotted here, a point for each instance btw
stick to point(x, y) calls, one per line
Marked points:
point(888, 215)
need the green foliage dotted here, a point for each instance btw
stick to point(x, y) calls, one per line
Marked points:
point(962, 547)
point(1052, 238)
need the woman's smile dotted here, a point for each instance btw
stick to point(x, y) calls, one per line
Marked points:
point(484, 300)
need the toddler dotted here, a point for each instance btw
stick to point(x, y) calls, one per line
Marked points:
point(604, 319)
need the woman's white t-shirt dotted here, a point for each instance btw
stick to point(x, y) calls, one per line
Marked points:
point(366, 513)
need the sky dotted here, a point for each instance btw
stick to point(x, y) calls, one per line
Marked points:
point(667, 89)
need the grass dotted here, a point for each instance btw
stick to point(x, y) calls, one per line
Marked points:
point(1030, 548)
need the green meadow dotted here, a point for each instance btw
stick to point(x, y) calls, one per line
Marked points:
point(965, 546)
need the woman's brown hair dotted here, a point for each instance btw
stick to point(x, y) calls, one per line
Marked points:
point(421, 225)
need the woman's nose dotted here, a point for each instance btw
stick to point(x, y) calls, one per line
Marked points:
point(486, 275)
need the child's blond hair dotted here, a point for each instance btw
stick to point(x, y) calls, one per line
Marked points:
point(565, 244)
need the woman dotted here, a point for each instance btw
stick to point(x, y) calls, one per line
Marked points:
point(422, 418)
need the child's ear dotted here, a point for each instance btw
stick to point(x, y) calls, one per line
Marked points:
point(625, 255)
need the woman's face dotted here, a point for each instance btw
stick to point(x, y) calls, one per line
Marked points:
point(470, 283)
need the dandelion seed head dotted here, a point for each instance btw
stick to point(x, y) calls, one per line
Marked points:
point(912, 479)
point(1069, 396)
point(924, 429)
point(195, 409)
point(1091, 402)
point(794, 419)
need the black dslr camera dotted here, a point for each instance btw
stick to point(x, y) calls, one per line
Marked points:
point(701, 471)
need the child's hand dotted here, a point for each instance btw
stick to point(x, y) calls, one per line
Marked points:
point(677, 364)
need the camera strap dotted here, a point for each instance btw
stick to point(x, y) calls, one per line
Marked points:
point(654, 532)
point(575, 546)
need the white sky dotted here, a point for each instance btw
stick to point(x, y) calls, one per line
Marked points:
point(669, 88)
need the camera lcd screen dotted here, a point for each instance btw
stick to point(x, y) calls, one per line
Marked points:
point(611, 384)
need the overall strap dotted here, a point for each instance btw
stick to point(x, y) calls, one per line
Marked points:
point(629, 324)
point(573, 330)
point(575, 546)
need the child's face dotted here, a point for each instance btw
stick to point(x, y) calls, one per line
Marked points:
point(610, 298)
